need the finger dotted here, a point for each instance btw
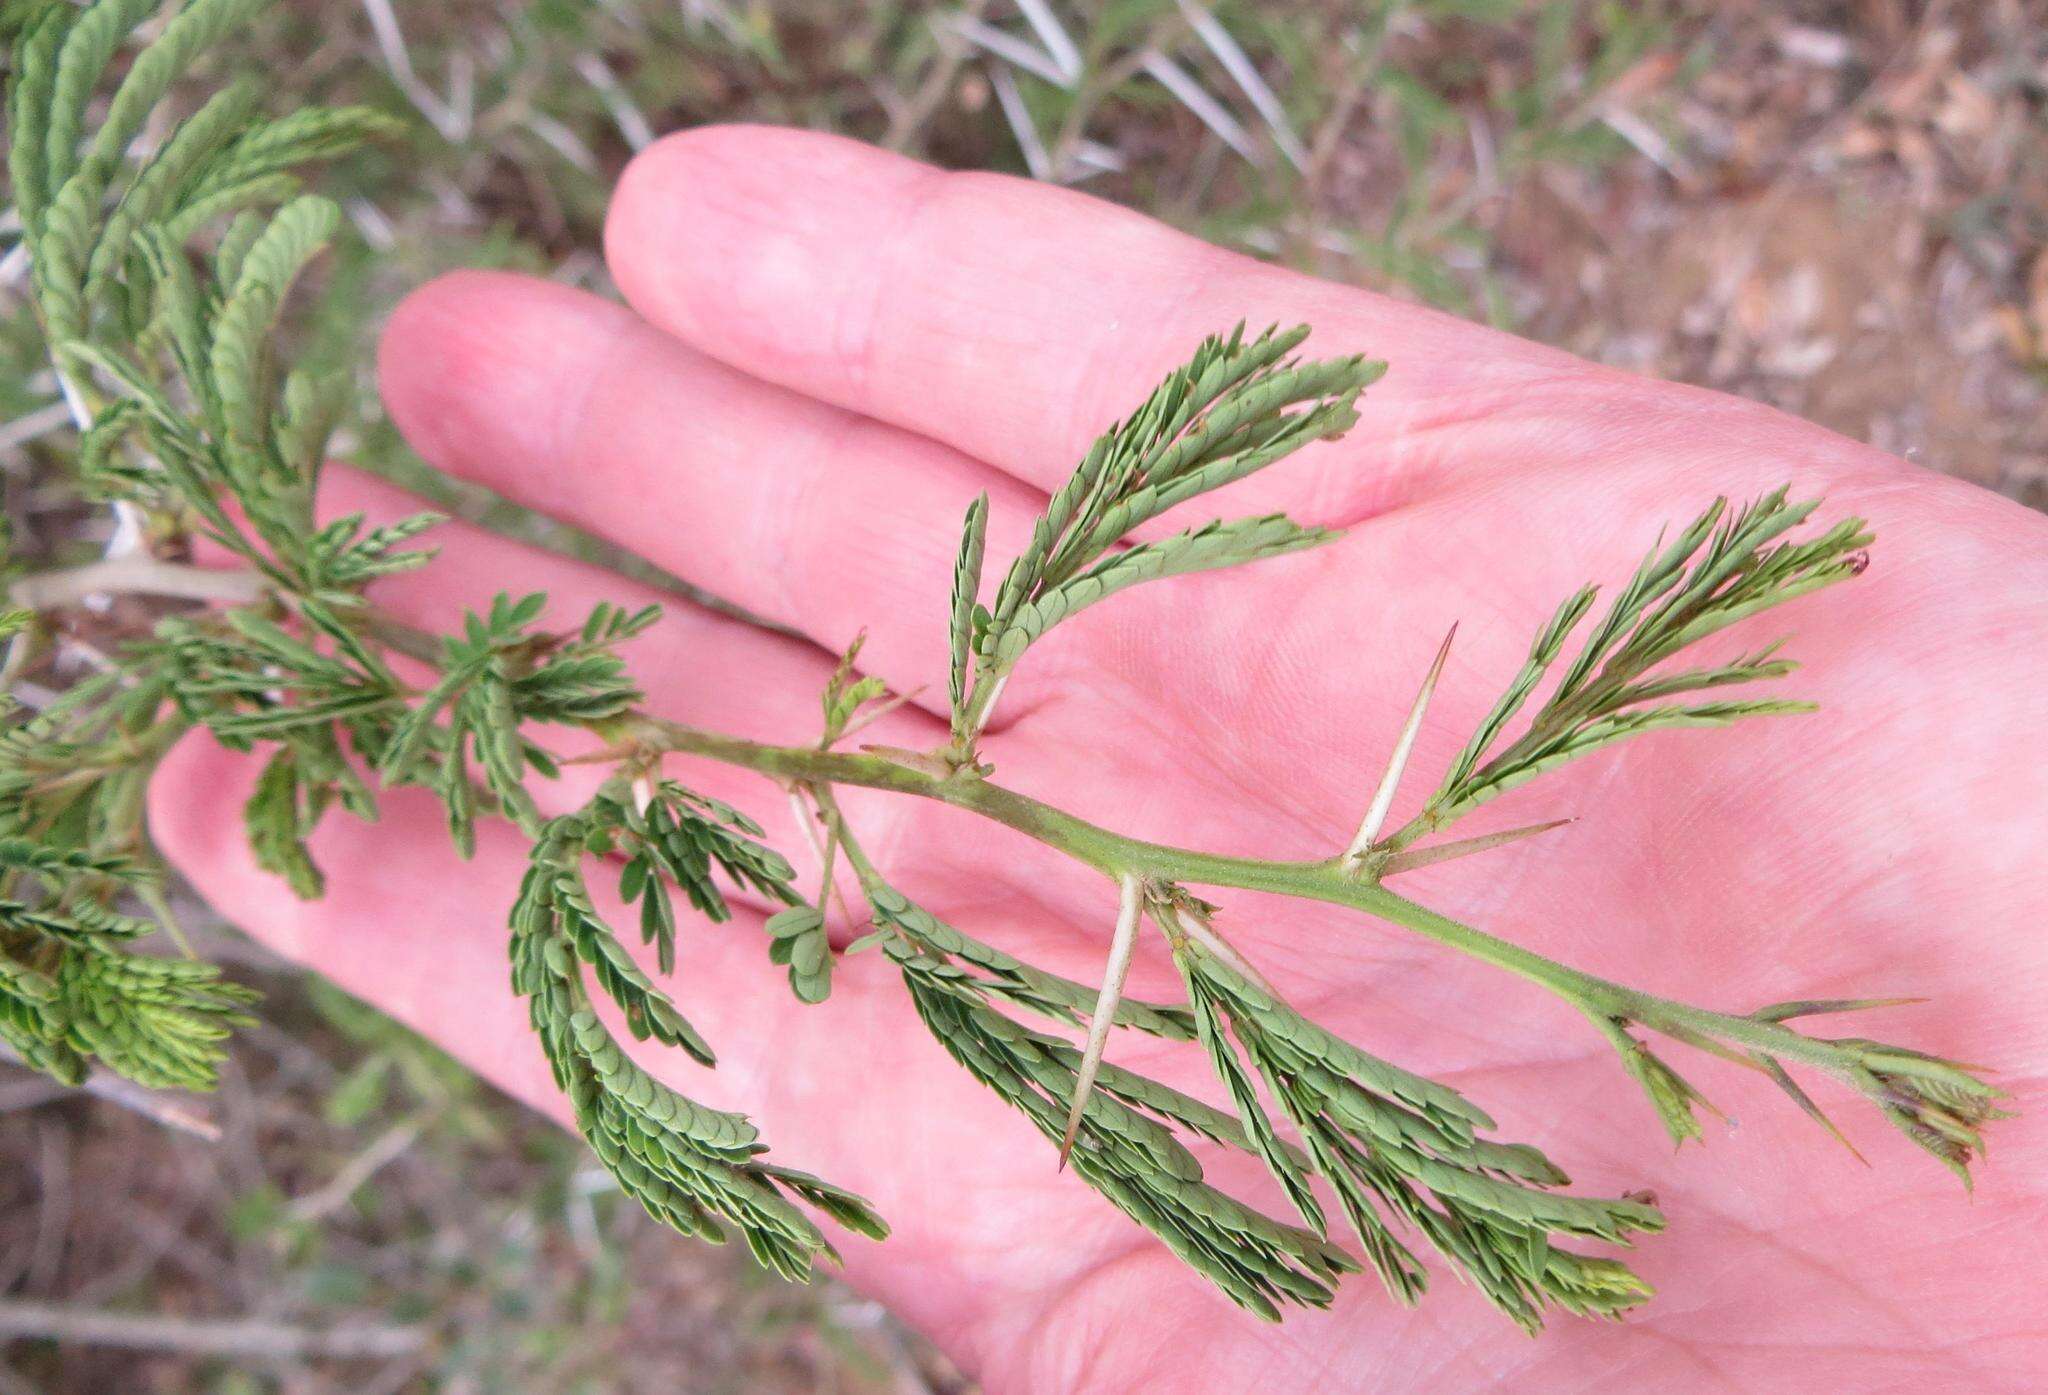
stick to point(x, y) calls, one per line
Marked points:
point(792, 509)
point(412, 929)
point(1010, 319)
point(695, 665)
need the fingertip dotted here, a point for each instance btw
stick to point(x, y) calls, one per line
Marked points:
point(484, 372)
point(756, 243)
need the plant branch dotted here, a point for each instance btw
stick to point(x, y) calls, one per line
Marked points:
point(135, 575)
point(1327, 880)
point(249, 1338)
point(154, 1105)
point(178, 369)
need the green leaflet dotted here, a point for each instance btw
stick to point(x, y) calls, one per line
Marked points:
point(1605, 731)
point(1286, 1165)
point(500, 675)
point(72, 991)
point(29, 111)
point(173, 164)
point(797, 937)
point(201, 25)
point(1235, 408)
point(1211, 546)
point(1543, 652)
point(966, 588)
point(690, 1166)
point(160, 1022)
point(1051, 996)
point(274, 259)
point(87, 48)
point(1721, 569)
point(277, 828)
point(268, 149)
point(1259, 1263)
point(1125, 1149)
point(1395, 1146)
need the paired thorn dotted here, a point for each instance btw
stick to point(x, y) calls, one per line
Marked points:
point(1104, 1017)
point(1798, 1096)
point(1413, 858)
point(881, 709)
point(1383, 797)
point(825, 850)
point(1785, 1012)
point(923, 762)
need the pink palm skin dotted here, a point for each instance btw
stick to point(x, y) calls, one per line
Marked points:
point(829, 351)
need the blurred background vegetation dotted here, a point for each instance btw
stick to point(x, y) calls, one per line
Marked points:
point(1839, 208)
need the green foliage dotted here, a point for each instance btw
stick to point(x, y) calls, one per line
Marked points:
point(498, 675)
point(1125, 1150)
point(75, 988)
point(160, 1022)
point(851, 698)
point(687, 1164)
point(1393, 1144)
point(798, 939)
point(1237, 407)
point(1724, 568)
point(1004, 976)
point(73, 991)
point(669, 833)
point(167, 283)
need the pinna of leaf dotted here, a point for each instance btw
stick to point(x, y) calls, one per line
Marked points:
point(161, 283)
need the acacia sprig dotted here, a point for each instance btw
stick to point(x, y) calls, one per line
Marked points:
point(1237, 407)
point(166, 279)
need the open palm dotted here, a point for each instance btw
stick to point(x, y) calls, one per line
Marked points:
point(830, 351)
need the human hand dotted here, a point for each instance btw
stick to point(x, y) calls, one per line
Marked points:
point(834, 349)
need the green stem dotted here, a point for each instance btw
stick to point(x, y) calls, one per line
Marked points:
point(1115, 856)
point(856, 856)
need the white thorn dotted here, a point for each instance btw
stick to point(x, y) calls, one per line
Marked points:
point(1383, 797)
point(1104, 1017)
point(995, 695)
point(805, 824)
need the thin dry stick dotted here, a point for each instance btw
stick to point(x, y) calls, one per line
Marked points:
point(161, 1109)
point(386, 1149)
point(247, 1337)
point(138, 576)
